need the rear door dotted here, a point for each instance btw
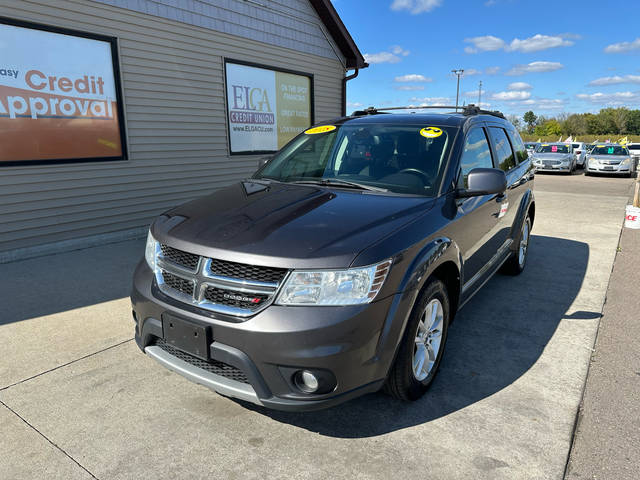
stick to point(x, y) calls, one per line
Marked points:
point(511, 157)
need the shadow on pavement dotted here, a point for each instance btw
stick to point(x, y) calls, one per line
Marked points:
point(57, 283)
point(495, 339)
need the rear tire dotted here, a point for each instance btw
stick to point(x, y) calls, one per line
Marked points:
point(518, 260)
point(423, 341)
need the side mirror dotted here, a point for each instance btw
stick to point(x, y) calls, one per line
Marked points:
point(484, 181)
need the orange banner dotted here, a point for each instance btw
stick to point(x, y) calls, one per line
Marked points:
point(41, 126)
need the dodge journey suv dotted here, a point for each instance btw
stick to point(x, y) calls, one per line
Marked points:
point(337, 269)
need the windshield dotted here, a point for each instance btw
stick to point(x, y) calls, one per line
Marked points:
point(530, 146)
point(546, 148)
point(575, 145)
point(399, 158)
point(610, 150)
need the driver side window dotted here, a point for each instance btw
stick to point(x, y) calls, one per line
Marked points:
point(476, 154)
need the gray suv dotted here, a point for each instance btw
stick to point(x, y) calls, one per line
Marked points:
point(337, 269)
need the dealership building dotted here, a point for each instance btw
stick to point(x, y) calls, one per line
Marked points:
point(113, 111)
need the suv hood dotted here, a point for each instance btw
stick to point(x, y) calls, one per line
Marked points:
point(286, 225)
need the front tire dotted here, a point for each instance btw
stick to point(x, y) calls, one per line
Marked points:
point(422, 344)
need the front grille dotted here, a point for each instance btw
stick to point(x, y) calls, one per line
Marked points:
point(184, 259)
point(212, 366)
point(249, 301)
point(548, 163)
point(247, 272)
point(178, 283)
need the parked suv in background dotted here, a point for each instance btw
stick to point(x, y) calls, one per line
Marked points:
point(338, 267)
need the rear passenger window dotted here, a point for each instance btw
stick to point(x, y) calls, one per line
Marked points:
point(506, 159)
point(518, 146)
point(476, 154)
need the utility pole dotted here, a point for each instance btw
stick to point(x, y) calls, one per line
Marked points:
point(458, 72)
point(479, 94)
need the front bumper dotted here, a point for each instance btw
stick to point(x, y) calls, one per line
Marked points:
point(356, 344)
point(552, 168)
point(609, 169)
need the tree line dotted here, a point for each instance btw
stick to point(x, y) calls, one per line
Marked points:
point(609, 121)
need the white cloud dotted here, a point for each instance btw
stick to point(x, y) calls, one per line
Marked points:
point(492, 70)
point(538, 42)
point(537, 104)
point(354, 104)
point(408, 88)
point(616, 80)
point(615, 98)
point(392, 56)
point(398, 50)
point(413, 77)
point(487, 43)
point(472, 71)
point(623, 47)
point(426, 101)
point(535, 67)
point(515, 95)
point(519, 86)
point(415, 6)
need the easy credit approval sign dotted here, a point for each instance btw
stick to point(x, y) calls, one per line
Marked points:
point(266, 107)
point(58, 97)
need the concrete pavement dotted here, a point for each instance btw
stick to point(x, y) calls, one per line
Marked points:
point(607, 440)
point(78, 398)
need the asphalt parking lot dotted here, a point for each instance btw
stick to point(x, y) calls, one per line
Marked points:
point(79, 400)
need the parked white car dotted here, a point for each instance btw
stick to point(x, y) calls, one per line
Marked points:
point(580, 151)
point(634, 150)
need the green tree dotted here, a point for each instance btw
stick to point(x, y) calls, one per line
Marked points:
point(633, 122)
point(530, 119)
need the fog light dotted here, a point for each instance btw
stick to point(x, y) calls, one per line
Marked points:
point(306, 381)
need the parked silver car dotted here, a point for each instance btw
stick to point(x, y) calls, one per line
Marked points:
point(554, 157)
point(610, 158)
point(580, 151)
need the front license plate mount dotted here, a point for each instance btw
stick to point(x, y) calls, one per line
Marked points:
point(187, 336)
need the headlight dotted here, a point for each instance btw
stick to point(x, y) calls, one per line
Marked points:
point(151, 251)
point(625, 162)
point(334, 287)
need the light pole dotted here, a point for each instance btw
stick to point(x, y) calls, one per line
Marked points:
point(457, 73)
point(479, 94)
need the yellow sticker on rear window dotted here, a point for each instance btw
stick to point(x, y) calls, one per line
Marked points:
point(431, 132)
point(320, 129)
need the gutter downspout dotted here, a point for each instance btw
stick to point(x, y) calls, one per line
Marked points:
point(344, 90)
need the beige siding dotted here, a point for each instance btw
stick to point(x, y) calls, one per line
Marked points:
point(172, 77)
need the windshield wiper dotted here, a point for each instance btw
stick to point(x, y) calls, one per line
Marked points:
point(341, 183)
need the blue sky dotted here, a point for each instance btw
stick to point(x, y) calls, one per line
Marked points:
point(546, 56)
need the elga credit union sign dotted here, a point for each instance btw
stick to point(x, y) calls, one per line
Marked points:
point(266, 107)
point(58, 97)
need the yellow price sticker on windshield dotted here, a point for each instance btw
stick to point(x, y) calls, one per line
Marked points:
point(431, 132)
point(320, 129)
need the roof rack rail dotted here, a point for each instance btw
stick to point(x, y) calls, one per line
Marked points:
point(470, 109)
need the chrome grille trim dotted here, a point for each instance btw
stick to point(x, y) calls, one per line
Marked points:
point(202, 278)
